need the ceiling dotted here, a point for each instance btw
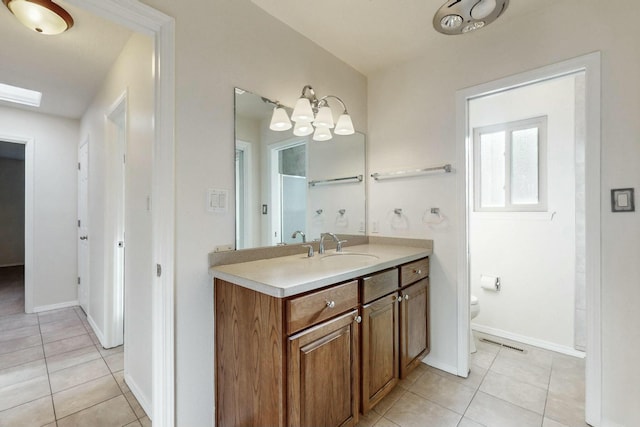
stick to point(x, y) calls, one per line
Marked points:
point(68, 68)
point(374, 34)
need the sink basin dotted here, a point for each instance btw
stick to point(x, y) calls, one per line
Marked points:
point(354, 256)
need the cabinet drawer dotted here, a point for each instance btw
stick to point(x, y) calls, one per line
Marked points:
point(312, 308)
point(414, 271)
point(379, 285)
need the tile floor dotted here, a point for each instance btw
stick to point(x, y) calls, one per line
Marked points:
point(53, 371)
point(506, 388)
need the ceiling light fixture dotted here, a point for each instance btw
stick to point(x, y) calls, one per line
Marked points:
point(20, 95)
point(312, 115)
point(463, 16)
point(42, 16)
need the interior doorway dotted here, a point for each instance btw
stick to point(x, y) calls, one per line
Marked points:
point(590, 65)
point(288, 167)
point(83, 226)
point(116, 142)
point(526, 214)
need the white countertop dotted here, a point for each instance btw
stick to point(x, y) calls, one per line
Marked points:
point(290, 275)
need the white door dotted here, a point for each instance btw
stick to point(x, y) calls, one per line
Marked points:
point(83, 226)
point(117, 146)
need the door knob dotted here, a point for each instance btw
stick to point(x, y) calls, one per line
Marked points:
point(84, 237)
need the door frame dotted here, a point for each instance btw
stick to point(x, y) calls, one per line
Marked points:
point(29, 191)
point(590, 64)
point(275, 186)
point(116, 121)
point(85, 286)
point(144, 19)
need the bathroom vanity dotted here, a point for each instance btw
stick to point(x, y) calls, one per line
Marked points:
point(315, 341)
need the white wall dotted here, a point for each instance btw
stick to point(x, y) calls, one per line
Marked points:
point(221, 45)
point(412, 116)
point(12, 212)
point(54, 242)
point(532, 253)
point(132, 72)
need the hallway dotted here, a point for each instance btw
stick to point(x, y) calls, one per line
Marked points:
point(54, 372)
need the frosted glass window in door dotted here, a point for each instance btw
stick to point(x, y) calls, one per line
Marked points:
point(492, 169)
point(524, 166)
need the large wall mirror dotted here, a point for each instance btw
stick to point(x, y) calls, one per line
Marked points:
point(290, 188)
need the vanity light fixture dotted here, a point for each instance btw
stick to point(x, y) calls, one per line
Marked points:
point(313, 115)
point(42, 16)
point(463, 16)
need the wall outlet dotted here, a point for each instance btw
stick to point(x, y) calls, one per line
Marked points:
point(361, 228)
point(223, 248)
point(375, 227)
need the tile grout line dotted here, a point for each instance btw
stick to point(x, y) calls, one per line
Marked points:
point(46, 367)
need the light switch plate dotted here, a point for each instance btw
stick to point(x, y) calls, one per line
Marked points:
point(217, 200)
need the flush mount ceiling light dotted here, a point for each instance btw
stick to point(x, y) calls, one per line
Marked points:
point(42, 16)
point(312, 115)
point(463, 16)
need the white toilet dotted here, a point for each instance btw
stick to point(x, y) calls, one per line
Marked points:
point(475, 310)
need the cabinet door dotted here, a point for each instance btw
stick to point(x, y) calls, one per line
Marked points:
point(380, 356)
point(414, 328)
point(323, 374)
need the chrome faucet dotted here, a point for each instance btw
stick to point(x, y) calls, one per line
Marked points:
point(335, 239)
point(295, 234)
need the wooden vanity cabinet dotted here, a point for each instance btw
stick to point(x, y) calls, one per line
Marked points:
point(414, 326)
point(307, 360)
point(414, 314)
point(287, 362)
point(380, 337)
point(323, 374)
point(395, 328)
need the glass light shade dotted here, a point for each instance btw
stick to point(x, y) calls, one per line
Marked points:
point(280, 120)
point(42, 16)
point(302, 129)
point(451, 22)
point(324, 118)
point(344, 125)
point(483, 8)
point(302, 111)
point(322, 134)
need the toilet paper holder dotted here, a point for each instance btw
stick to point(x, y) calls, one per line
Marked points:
point(490, 283)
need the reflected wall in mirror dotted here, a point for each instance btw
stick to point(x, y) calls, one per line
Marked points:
point(287, 183)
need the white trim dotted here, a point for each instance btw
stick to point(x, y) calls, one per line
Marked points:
point(590, 64)
point(29, 192)
point(96, 330)
point(135, 389)
point(547, 345)
point(249, 208)
point(116, 120)
point(139, 17)
point(443, 366)
point(57, 306)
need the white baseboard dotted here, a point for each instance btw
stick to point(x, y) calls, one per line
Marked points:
point(20, 264)
point(528, 340)
point(96, 330)
point(142, 399)
point(438, 364)
point(58, 306)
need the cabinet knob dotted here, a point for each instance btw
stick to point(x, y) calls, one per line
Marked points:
point(358, 319)
point(399, 299)
point(417, 271)
point(406, 297)
point(331, 304)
